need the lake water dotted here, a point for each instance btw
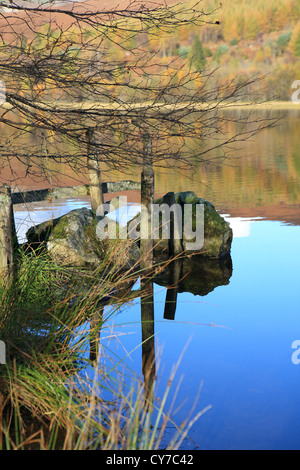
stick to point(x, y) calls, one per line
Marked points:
point(237, 339)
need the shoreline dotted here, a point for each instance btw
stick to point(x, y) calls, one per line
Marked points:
point(97, 106)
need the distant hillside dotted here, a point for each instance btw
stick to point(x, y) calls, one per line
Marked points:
point(254, 37)
point(241, 37)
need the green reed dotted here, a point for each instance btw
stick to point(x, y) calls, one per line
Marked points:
point(49, 317)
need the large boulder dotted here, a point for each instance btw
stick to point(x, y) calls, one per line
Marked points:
point(217, 232)
point(72, 240)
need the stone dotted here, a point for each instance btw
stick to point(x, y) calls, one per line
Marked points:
point(217, 232)
point(71, 240)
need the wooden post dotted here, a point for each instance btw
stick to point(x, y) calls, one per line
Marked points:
point(97, 318)
point(171, 296)
point(8, 237)
point(94, 172)
point(146, 264)
point(148, 344)
point(147, 198)
point(175, 242)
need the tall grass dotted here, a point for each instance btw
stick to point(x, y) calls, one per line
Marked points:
point(51, 389)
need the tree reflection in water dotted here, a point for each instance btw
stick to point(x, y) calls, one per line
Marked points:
point(197, 275)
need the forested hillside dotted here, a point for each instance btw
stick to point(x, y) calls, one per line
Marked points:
point(244, 38)
point(254, 37)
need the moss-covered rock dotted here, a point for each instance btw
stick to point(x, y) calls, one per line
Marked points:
point(72, 240)
point(217, 232)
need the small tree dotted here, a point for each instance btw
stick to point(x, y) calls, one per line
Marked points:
point(198, 55)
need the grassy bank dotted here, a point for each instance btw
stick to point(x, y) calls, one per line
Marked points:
point(53, 384)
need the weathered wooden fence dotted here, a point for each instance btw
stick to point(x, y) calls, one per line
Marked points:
point(71, 191)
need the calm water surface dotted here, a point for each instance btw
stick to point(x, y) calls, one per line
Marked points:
point(237, 339)
point(244, 362)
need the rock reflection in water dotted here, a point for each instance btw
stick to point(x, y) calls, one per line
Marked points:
point(197, 275)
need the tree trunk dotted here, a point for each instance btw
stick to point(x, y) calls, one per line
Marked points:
point(147, 197)
point(94, 173)
point(175, 243)
point(8, 237)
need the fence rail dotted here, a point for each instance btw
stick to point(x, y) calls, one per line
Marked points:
point(71, 191)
